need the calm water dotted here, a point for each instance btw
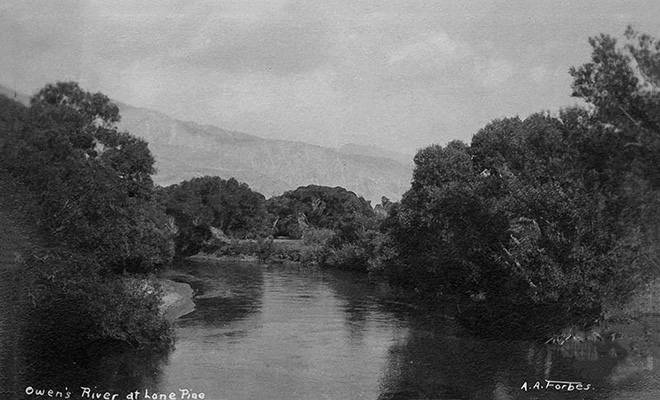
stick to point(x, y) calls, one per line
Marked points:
point(275, 332)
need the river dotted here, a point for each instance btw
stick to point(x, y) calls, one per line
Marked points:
point(286, 332)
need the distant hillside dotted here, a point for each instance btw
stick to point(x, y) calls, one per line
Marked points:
point(375, 151)
point(185, 149)
point(14, 95)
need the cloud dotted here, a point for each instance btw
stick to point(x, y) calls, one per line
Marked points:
point(495, 73)
point(539, 74)
point(237, 37)
point(435, 46)
point(292, 41)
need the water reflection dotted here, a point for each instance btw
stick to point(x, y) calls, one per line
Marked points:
point(224, 293)
point(429, 365)
point(357, 303)
point(441, 361)
point(436, 357)
point(294, 344)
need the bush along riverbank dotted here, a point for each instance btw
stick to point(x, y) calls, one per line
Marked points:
point(74, 305)
point(307, 250)
point(267, 250)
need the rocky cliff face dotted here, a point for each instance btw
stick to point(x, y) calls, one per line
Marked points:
point(185, 149)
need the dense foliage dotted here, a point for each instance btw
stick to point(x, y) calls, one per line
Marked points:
point(76, 305)
point(341, 223)
point(320, 207)
point(92, 182)
point(200, 204)
point(93, 200)
point(550, 212)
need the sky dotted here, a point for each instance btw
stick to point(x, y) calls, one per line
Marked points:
point(395, 74)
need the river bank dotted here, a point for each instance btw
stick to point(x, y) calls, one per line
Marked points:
point(176, 300)
point(264, 250)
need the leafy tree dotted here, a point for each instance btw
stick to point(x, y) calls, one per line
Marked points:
point(447, 230)
point(621, 85)
point(96, 218)
point(90, 110)
point(94, 182)
point(320, 207)
point(200, 204)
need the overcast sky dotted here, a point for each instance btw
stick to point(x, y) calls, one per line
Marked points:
point(399, 74)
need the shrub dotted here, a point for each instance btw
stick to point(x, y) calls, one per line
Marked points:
point(348, 256)
point(317, 236)
point(75, 305)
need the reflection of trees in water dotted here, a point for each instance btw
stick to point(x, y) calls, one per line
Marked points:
point(356, 320)
point(501, 319)
point(224, 292)
point(358, 302)
point(429, 364)
point(439, 359)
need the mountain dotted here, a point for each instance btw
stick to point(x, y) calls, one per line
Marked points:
point(375, 151)
point(184, 150)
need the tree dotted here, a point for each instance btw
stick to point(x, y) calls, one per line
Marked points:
point(94, 182)
point(621, 85)
point(532, 216)
point(91, 110)
point(322, 207)
point(200, 204)
point(89, 123)
point(447, 230)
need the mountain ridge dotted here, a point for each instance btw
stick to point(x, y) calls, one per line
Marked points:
point(186, 149)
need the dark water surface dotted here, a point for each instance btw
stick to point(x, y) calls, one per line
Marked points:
point(277, 332)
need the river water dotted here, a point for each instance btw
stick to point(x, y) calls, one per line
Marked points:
point(282, 332)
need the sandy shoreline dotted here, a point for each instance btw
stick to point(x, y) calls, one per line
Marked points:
point(177, 299)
